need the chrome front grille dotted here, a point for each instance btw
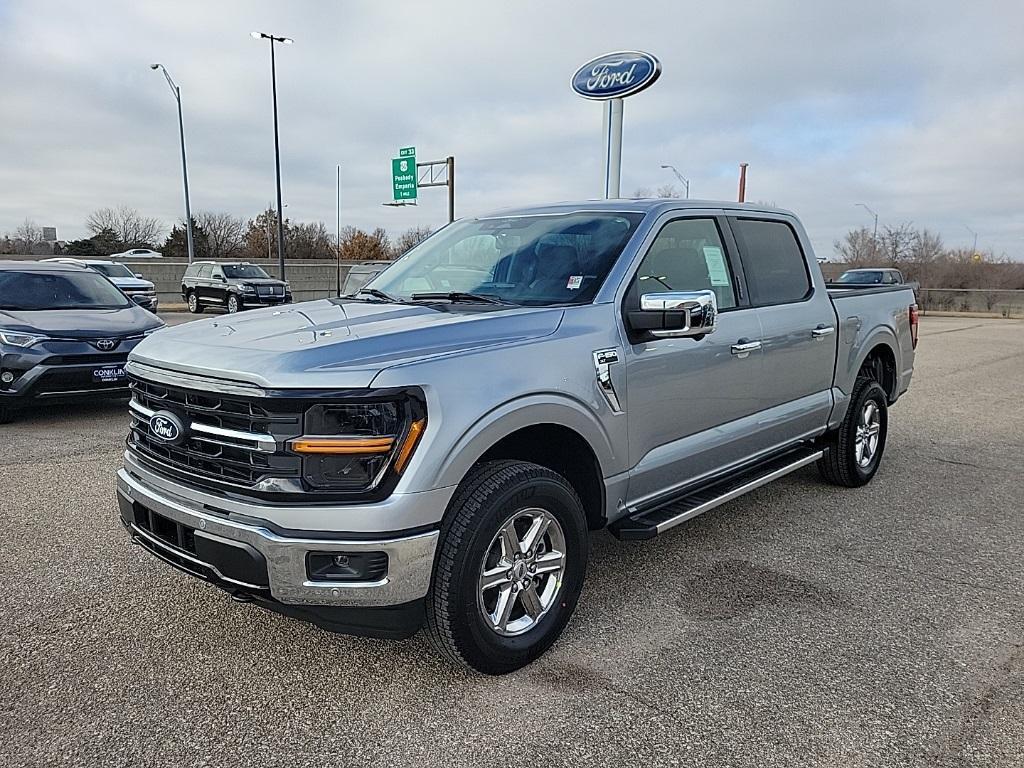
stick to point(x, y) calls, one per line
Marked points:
point(227, 439)
point(270, 290)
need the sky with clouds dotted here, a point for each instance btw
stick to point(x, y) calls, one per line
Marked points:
point(914, 108)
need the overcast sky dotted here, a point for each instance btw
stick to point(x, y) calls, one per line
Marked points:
point(916, 109)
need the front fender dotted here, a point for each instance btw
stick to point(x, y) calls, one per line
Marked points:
point(527, 411)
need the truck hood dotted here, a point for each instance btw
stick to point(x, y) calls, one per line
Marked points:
point(333, 343)
point(131, 283)
point(80, 323)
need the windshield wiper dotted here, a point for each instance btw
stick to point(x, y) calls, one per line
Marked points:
point(456, 296)
point(377, 294)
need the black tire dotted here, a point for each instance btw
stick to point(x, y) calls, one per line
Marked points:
point(235, 302)
point(492, 494)
point(193, 303)
point(840, 464)
point(6, 414)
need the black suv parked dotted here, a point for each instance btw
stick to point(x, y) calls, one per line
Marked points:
point(235, 285)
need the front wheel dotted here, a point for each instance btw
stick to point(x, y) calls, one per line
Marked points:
point(854, 450)
point(233, 304)
point(510, 566)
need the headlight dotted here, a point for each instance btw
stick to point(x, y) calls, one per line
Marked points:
point(19, 339)
point(353, 446)
point(249, 288)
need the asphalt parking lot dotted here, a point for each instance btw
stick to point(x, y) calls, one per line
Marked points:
point(800, 625)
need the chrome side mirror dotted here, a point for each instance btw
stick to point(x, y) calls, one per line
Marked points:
point(676, 314)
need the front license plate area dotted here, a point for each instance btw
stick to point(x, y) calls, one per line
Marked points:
point(108, 374)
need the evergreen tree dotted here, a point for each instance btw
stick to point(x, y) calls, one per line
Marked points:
point(176, 245)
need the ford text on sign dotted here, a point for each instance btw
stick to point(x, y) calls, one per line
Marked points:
point(616, 75)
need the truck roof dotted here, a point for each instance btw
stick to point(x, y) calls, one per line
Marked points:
point(635, 205)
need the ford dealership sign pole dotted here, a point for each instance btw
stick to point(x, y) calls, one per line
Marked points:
point(610, 78)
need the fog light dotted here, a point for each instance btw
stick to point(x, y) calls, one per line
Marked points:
point(347, 566)
point(6, 377)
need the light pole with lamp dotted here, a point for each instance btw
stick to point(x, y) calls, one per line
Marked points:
point(176, 91)
point(685, 181)
point(974, 248)
point(277, 147)
point(875, 235)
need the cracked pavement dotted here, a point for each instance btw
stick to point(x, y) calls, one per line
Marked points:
point(800, 625)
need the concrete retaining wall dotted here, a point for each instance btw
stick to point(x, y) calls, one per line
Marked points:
point(309, 279)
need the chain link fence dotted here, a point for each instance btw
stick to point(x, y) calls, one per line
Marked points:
point(988, 301)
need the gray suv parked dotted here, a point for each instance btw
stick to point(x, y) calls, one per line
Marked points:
point(434, 450)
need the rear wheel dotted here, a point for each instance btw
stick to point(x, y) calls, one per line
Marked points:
point(510, 566)
point(193, 303)
point(855, 449)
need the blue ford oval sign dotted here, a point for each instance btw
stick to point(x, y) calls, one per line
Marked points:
point(615, 75)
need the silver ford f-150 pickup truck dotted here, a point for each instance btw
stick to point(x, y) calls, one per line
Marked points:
point(433, 451)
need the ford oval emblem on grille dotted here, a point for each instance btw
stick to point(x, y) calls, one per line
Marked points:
point(167, 427)
point(106, 344)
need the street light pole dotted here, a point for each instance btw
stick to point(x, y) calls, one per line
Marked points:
point(974, 248)
point(875, 235)
point(685, 181)
point(176, 91)
point(338, 242)
point(277, 147)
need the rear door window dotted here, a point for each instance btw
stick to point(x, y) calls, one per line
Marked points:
point(773, 263)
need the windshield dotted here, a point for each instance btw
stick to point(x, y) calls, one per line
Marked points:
point(531, 260)
point(867, 276)
point(244, 271)
point(58, 290)
point(113, 270)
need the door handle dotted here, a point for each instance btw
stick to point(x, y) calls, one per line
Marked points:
point(822, 331)
point(742, 348)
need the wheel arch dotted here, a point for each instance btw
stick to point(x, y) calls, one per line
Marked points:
point(880, 360)
point(557, 433)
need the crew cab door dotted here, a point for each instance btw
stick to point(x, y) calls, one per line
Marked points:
point(687, 397)
point(799, 329)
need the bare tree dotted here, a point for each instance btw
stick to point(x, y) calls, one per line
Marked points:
point(310, 241)
point(225, 234)
point(642, 192)
point(409, 239)
point(27, 237)
point(858, 248)
point(925, 251)
point(132, 228)
point(668, 190)
point(897, 242)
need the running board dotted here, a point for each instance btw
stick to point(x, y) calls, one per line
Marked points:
point(648, 523)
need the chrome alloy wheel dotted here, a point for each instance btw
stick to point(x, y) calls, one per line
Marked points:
point(868, 426)
point(193, 302)
point(521, 573)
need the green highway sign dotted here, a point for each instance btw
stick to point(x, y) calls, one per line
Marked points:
point(403, 174)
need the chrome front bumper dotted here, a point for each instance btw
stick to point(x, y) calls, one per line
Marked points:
point(410, 558)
